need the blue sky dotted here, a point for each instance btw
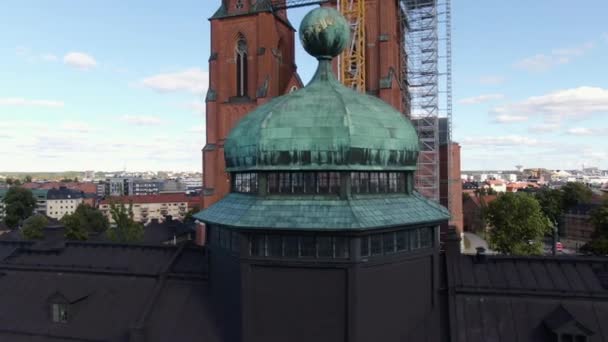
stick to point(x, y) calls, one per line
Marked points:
point(112, 84)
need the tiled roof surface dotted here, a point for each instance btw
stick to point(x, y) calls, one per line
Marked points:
point(113, 290)
point(79, 186)
point(509, 298)
point(301, 212)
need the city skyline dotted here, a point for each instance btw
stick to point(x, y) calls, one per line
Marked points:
point(79, 93)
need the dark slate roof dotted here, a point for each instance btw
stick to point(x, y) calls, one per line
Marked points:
point(159, 232)
point(499, 298)
point(322, 212)
point(63, 193)
point(116, 292)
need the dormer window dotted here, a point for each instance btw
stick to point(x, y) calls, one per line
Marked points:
point(59, 312)
point(239, 4)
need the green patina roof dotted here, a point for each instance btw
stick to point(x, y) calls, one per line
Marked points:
point(323, 126)
point(323, 213)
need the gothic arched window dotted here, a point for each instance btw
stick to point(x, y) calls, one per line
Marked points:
point(241, 66)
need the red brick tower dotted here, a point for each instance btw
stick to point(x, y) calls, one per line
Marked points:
point(383, 56)
point(252, 60)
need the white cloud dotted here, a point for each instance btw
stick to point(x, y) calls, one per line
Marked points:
point(141, 120)
point(544, 128)
point(501, 141)
point(192, 80)
point(546, 61)
point(76, 126)
point(584, 131)
point(18, 101)
point(505, 118)
point(80, 60)
point(491, 80)
point(568, 103)
point(480, 99)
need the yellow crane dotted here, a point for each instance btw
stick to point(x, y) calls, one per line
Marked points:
point(352, 61)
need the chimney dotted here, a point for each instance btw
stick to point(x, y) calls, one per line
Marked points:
point(452, 243)
point(201, 233)
point(480, 257)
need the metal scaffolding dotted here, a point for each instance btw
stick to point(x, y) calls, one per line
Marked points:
point(422, 45)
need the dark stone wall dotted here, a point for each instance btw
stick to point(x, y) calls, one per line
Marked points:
point(395, 300)
point(225, 284)
point(296, 304)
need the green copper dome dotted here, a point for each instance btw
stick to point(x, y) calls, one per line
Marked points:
point(324, 126)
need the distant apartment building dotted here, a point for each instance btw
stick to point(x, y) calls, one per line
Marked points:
point(62, 201)
point(192, 183)
point(142, 187)
point(132, 186)
point(172, 186)
point(497, 185)
point(153, 207)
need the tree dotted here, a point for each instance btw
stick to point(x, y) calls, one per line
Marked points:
point(84, 221)
point(125, 229)
point(551, 203)
point(575, 193)
point(19, 205)
point(599, 219)
point(33, 227)
point(190, 214)
point(28, 179)
point(518, 224)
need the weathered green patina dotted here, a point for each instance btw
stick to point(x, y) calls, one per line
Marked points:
point(324, 33)
point(323, 213)
point(324, 126)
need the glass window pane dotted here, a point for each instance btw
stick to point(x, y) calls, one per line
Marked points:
point(290, 246)
point(342, 247)
point(272, 180)
point(389, 243)
point(323, 180)
point(414, 239)
point(285, 182)
point(310, 182)
point(298, 182)
point(567, 338)
point(365, 246)
point(235, 242)
point(307, 246)
point(382, 182)
point(325, 247)
point(258, 245)
point(402, 241)
point(354, 182)
point(373, 182)
point(376, 244)
point(274, 246)
point(392, 182)
point(364, 177)
point(426, 237)
point(334, 182)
